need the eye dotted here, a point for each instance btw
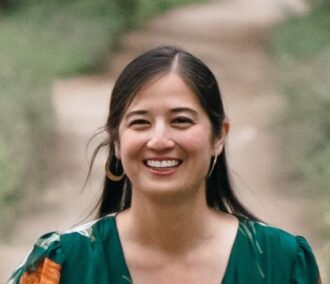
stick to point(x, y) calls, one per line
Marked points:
point(139, 123)
point(182, 122)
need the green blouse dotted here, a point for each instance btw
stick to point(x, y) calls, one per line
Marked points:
point(92, 253)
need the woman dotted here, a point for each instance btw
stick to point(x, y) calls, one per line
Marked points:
point(168, 213)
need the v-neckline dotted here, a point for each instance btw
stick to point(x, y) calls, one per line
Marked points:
point(230, 261)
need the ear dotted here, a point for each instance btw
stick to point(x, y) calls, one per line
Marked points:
point(117, 150)
point(220, 141)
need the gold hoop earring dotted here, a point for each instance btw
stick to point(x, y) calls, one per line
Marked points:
point(108, 172)
point(213, 166)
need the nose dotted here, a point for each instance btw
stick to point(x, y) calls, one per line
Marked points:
point(160, 139)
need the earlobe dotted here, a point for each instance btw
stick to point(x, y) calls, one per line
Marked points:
point(218, 147)
point(225, 128)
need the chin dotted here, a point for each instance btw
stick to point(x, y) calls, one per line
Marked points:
point(168, 193)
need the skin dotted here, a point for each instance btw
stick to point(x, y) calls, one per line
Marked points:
point(169, 233)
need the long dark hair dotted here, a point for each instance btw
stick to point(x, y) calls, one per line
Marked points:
point(116, 196)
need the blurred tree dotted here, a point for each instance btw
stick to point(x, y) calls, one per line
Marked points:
point(128, 9)
point(4, 4)
point(9, 6)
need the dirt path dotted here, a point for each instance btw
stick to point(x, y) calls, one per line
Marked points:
point(230, 36)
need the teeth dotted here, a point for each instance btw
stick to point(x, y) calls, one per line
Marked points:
point(162, 164)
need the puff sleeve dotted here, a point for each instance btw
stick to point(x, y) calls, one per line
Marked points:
point(305, 270)
point(43, 264)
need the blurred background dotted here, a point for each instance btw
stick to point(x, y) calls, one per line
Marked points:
point(58, 62)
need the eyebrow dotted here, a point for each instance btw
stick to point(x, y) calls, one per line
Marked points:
point(184, 109)
point(173, 110)
point(136, 112)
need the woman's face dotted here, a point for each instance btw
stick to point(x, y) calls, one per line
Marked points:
point(165, 139)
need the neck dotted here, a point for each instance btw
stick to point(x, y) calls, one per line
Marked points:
point(170, 226)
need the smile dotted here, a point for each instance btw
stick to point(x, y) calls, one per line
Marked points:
point(164, 164)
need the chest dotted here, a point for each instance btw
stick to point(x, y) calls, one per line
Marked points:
point(205, 268)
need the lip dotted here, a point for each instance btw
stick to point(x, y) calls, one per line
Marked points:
point(162, 171)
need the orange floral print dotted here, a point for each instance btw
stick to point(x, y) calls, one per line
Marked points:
point(48, 272)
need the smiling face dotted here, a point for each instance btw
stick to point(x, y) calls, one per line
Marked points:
point(165, 139)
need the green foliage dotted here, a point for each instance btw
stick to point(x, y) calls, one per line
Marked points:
point(304, 36)
point(301, 46)
point(69, 38)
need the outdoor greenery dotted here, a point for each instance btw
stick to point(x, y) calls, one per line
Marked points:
point(39, 42)
point(302, 48)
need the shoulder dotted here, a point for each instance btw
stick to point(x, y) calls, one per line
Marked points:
point(268, 235)
point(273, 239)
point(278, 248)
point(89, 239)
point(51, 251)
point(92, 231)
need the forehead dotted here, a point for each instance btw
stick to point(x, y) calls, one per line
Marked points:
point(165, 91)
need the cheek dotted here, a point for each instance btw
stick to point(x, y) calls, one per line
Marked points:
point(197, 141)
point(130, 144)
